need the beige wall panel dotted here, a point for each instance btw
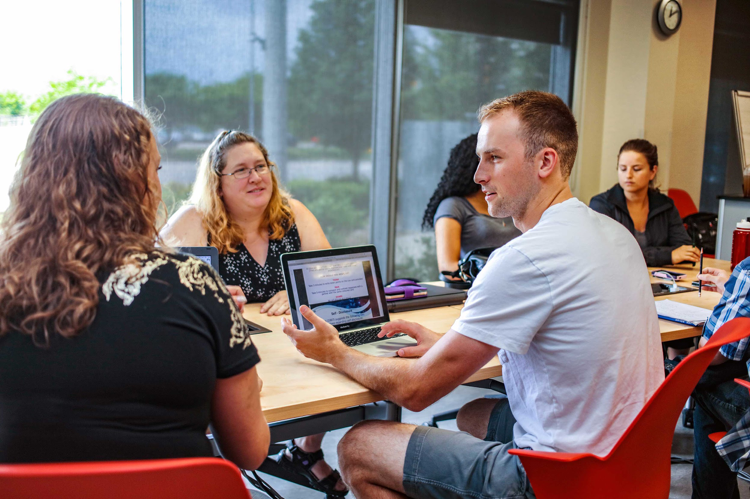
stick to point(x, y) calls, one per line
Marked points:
point(594, 42)
point(691, 96)
point(635, 82)
point(660, 95)
point(627, 80)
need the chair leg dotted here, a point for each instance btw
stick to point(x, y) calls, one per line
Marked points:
point(687, 413)
point(441, 416)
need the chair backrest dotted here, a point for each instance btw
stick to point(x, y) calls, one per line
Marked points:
point(682, 201)
point(644, 449)
point(190, 478)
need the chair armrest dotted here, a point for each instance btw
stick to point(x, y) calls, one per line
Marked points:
point(715, 437)
point(561, 457)
point(561, 475)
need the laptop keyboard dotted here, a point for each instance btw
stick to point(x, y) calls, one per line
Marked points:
point(364, 336)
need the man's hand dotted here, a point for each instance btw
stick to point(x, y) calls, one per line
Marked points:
point(717, 277)
point(320, 343)
point(425, 338)
point(685, 253)
point(238, 296)
point(277, 305)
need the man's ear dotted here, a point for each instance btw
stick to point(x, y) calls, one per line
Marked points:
point(548, 161)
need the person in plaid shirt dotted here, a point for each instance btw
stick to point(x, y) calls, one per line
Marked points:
point(722, 404)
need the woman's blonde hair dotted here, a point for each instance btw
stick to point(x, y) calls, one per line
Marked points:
point(80, 207)
point(224, 233)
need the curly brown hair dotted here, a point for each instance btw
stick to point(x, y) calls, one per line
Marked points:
point(80, 206)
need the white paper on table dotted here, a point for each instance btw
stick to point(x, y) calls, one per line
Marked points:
point(682, 311)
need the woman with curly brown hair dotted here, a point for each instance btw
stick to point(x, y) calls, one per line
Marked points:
point(110, 348)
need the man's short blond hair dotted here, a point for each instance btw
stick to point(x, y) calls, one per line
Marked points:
point(546, 121)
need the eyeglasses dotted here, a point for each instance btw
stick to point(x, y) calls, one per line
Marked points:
point(245, 172)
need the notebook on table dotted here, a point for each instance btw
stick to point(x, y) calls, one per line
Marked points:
point(681, 312)
point(342, 286)
point(210, 255)
point(434, 296)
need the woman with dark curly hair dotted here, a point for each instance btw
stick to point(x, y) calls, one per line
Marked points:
point(458, 212)
point(110, 348)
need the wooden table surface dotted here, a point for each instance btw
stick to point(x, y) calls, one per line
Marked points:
point(708, 299)
point(295, 386)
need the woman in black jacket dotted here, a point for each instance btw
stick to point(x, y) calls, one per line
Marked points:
point(649, 215)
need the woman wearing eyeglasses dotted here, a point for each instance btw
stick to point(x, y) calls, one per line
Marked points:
point(238, 206)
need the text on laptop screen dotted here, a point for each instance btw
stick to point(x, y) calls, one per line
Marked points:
point(341, 289)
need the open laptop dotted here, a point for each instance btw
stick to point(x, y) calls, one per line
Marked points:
point(210, 255)
point(343, 287)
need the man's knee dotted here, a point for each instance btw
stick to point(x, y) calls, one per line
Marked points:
point(373, 452)
point(474, 417)
point(354, 439)
point(357, 444)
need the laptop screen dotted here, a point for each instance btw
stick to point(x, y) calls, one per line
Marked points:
point(342, 286)
point(208, 254)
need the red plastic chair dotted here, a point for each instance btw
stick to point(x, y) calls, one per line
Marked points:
point(191, 478)
point(639, 464)
point(683, 202)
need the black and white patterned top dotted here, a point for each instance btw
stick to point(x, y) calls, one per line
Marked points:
point(259, 283)
point(166, 329)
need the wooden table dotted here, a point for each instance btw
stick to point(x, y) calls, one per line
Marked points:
point(295, 386)
point(708, 299)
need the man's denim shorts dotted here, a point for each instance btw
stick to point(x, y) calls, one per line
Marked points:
point(449, 464)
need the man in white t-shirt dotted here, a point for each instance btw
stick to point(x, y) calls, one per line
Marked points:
point(567, 306)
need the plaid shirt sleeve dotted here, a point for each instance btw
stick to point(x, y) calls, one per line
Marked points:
point(735, 446)
point(735, 302)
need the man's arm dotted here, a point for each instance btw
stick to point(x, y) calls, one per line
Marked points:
point(410, 383)
point(718, 358)
point(735, 303)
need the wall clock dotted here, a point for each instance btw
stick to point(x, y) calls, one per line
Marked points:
point(669, 16)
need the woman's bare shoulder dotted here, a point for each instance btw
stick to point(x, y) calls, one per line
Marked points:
point(310, 233)
point(296, 205)
point(185, 228)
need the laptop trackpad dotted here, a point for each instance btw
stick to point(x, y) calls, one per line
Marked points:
point(386, 348)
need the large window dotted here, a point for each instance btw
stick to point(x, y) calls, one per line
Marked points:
point(50, 51)
point(358, 101)
point(455, 60)
point(298, 74)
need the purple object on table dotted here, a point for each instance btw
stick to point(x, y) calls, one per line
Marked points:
point(407, 287)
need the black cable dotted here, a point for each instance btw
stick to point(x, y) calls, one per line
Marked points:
point(261, 484)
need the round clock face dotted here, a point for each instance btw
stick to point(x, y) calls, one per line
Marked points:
point(672, 15)
point(669, 15)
